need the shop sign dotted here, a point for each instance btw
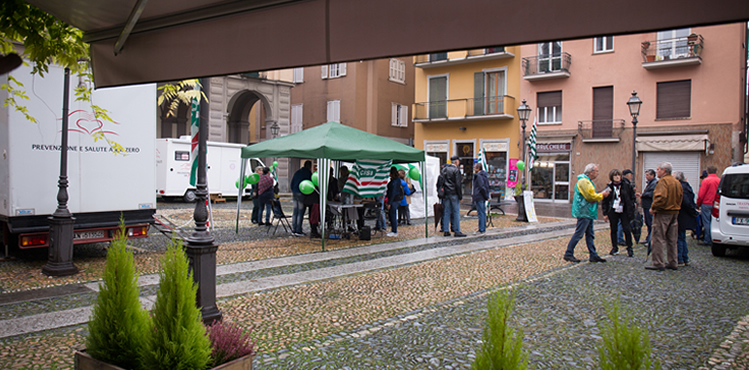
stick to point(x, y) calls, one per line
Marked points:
point(558, 147)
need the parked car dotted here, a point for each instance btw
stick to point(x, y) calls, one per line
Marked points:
point(729, 224)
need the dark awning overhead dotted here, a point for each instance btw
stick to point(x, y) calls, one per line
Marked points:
point(177, 39)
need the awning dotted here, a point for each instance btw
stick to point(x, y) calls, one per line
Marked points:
point(671, 143)
point(139, 41)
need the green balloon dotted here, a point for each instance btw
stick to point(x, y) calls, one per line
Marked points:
point(275, 164)
point(237, 184)
point(414, 173)
point(252, 179)
point(520, 165)
point(315, 178)
point(306, 187)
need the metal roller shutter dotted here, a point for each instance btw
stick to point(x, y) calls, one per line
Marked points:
point(687, 162)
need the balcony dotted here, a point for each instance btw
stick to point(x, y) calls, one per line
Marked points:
point(486, 108)
point(676, 52)
point(546, 67)
point(258, 75)
point(604, 130)
point(441, 59)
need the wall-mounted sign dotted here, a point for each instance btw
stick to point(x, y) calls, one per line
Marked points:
point(557, 147)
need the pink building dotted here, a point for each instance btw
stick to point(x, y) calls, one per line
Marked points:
point(692, 84)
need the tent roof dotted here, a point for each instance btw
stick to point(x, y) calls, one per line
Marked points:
point(333, 140)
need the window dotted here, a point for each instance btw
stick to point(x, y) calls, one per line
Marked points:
point(399, 115)
point(299, 74)
point(181, 156)
point(673, 99)
point(436, 57)
point(601, 126)
point(549, 107)
point(397, 71)
point(672, 44)
point(333, 113)
point(489, 92)
point(438, 96)
point(296, 118)
point(604, 44)
point(549, 56)
point(333, 70)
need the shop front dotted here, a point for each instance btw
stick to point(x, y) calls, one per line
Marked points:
point(550, 177)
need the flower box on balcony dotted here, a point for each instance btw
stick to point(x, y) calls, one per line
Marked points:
point(85, 362)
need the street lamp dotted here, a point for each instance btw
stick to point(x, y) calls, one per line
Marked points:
point(523, 114)
point(634, 104)
point(274, 130)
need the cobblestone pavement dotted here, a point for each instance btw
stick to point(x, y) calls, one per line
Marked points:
point(430, 314)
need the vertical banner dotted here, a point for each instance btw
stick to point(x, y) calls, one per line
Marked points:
point(510, 185)
point(194, 125)
point(532, 147)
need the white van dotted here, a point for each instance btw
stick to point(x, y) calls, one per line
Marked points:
point(729, 223)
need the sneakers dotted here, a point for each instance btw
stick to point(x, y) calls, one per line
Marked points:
point(614, 252)
point(392, 234)
point(630, 252)
point(571, 259)
point(459, 235)
point(446, 234)
point(297, 234)
point(596, 259)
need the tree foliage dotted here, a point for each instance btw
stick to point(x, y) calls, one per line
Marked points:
point(501, 343)
point(624, 345)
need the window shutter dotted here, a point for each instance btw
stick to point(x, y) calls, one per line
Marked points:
point(342, 69)
point(394, 114)
point(324, 72)
point(549, 99)
point(403, 116)
point(478, 93)
point(673, 99)
point(299, 74)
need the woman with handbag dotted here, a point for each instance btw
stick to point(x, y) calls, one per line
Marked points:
point(618, 207)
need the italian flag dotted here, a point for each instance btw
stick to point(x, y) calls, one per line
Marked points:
point(368, 178)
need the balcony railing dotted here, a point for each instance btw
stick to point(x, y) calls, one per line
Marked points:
point(487, 51)
point(672, 52)
point(457, 109)
point(601, 129)
point(467, 56)
point(546, 66)
point(258, 75)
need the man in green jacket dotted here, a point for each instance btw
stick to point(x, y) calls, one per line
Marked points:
point(585, 203)
point(665, 208)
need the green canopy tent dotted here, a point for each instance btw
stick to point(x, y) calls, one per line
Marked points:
point(334, 141)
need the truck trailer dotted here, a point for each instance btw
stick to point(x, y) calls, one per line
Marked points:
point(104, 184)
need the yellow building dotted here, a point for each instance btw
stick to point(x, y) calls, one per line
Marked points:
point(466, 101)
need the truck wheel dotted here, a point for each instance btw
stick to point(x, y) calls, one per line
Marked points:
point(189, 196)
point(718, 250)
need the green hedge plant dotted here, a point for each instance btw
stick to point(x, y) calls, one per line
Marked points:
point(501, 342)
point(624, 345)
point(178, 339)
point(119, 323)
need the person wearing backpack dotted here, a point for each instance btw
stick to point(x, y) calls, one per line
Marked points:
point(395, 193)
point(451, 201)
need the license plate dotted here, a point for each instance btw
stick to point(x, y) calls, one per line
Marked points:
point(96, 234)
point(739, 220)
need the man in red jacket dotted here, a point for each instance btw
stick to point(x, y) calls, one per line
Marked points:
point(706, 196)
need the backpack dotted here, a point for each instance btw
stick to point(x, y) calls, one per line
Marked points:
point(441, 186)
point(399, 192)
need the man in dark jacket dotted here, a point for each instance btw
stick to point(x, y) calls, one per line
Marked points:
point(665, 208)
point(685, 219)
point(452, 197)
point(646, 199)
point(480, 195)
point(298, 213)
point(627, 176)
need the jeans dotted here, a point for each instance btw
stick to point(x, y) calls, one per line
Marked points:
point(451, 213)
point(380, 223)
point(620, 234)
point(392, 216)
point(706, 220)
point(265, 203)
point(682, 249)
point(298, 213)
point(481, 207)
point(256, 208)
point(584, 226)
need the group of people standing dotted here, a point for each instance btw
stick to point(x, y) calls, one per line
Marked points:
point(450, 192)
point(263, 192)
point(668, 202)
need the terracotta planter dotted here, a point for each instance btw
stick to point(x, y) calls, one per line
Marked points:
point(85, 362)
point(650, 58)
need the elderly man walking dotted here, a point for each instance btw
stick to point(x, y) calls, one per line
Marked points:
point(665, 209)
point(585, 203)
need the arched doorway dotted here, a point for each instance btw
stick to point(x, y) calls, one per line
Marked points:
point(245, 110)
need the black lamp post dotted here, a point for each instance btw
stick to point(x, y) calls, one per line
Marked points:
point(634, 104)
point(275, 130)
point(523, 114)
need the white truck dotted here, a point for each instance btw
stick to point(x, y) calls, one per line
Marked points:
point(103, 185)
point(223, 168)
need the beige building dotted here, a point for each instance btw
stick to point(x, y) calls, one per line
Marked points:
point(692, 84)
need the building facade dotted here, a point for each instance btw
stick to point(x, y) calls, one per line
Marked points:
point(692, 84)
point(466, 101)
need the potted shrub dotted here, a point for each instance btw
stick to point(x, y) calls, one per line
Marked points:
point(692, 38)
point(174, 337)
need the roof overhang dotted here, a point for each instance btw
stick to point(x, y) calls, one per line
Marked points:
point(178, 39)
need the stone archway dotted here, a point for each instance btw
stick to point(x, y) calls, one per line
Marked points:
point(238, 115)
